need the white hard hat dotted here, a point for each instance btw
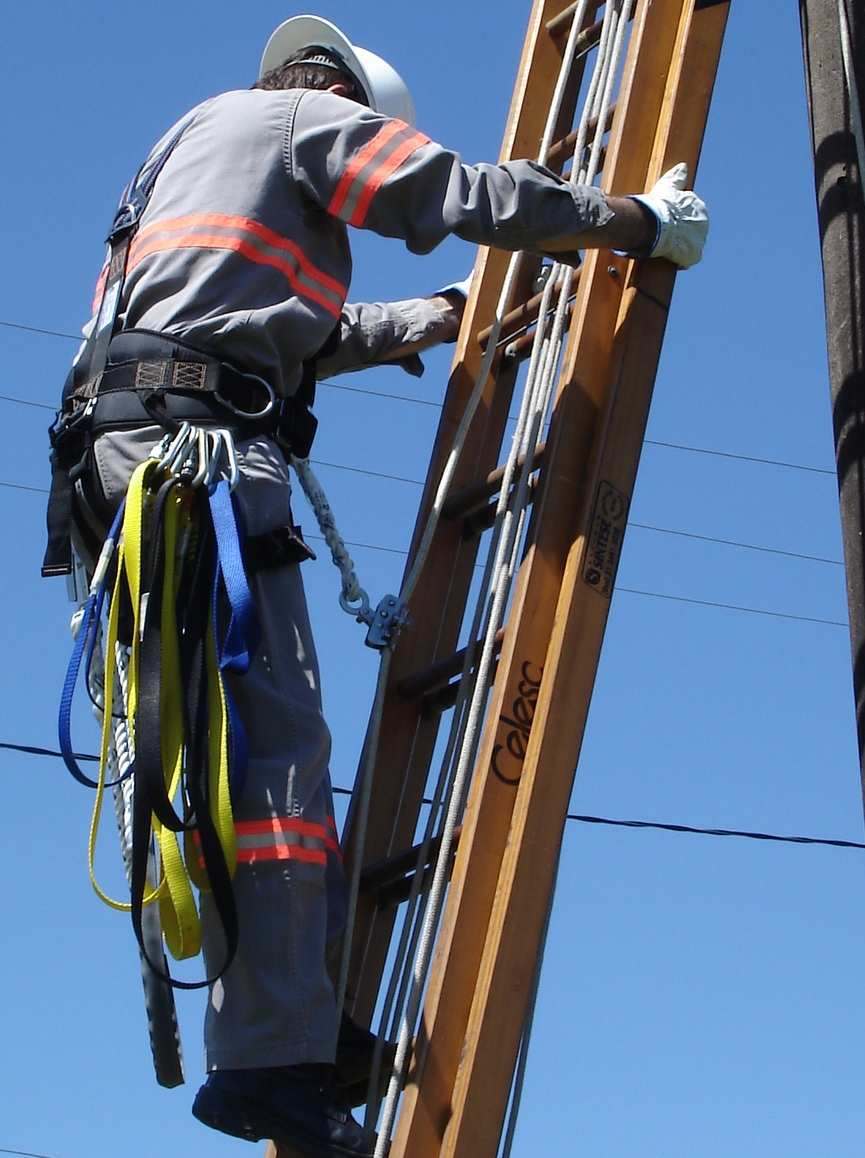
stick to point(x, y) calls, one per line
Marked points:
point(385, 89)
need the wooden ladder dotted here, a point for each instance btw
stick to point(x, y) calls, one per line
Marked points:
point(504, 868)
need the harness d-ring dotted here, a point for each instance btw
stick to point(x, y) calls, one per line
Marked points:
point(239, 411)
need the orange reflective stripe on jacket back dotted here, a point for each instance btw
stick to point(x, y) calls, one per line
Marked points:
point(250, 239)
point(370, 167)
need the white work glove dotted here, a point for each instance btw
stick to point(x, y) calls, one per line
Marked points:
point(683, 221)
point(456, 287)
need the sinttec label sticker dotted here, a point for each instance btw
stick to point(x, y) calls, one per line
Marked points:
point(607, 532)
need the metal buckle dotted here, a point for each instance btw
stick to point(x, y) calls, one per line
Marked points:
point(252, 414)
point(389, 619)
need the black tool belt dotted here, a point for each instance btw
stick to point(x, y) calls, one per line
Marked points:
point(151, 379)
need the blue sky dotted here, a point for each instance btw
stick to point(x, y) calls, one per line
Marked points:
point(700, 996)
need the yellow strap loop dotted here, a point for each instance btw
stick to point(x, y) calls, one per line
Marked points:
point(179, 915)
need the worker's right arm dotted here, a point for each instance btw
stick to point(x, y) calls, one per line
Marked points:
point(381, 174)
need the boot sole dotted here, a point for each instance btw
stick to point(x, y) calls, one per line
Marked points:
point(237, 1117)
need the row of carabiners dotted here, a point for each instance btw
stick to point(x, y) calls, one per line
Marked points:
point(200, 455)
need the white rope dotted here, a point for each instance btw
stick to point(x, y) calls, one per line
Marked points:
point(510, 517)
point(365, 793)
point(852, 89)
point(528, 1025)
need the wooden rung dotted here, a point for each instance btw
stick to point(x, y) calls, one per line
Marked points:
point(468, 500)
point(561, 24)
point(437, 702)
point(438, 674)
point(520, 348)
point(518, 320)
point(513, 321)
point(480, 520)
point(393, 868)
point(560, 151)
point(391, 879)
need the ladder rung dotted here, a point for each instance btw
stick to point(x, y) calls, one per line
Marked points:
point(513, 321)
point(560, 151)
point(472, 498)
point(520, 348)
point(438, 674)
point(517, 320)
point(392, 877)
point(588, 38)
point(480, 520)
point(437, 702)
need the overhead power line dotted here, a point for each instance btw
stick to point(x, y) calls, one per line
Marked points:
point(40, 330)
point(437, 405)
point(739, 457)
point(26, 402)
point(742, 833)
point(577, 817)
point(24, 1153)
point(626, 590)
point(736, 543)
point(22, 487)
point(733, 607)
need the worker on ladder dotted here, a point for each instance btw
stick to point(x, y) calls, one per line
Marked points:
point(231, 299)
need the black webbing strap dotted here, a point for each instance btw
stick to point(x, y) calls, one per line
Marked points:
point(93, 358)
point(150, 796)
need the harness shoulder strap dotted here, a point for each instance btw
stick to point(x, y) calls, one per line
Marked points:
point(93, 358)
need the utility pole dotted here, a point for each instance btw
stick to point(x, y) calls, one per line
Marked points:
point(835, 82)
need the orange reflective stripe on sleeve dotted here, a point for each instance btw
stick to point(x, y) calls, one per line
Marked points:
point(248, 238)
point(370, 168)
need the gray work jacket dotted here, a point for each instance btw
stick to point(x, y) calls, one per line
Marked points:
point(243, 248)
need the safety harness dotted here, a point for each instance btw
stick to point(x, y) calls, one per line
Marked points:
point(171, 575)
point(138, 377)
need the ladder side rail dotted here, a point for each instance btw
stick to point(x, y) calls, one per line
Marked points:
point(527, 875)
point(439, 602)
point(427, 1103)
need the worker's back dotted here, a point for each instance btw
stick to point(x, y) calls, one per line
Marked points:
point(231, 255)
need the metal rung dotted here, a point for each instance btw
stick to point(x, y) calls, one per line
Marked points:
point(472, 498)
point(438, 674)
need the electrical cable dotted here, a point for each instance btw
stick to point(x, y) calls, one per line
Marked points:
point(24, 1153)
point(574, 817)
point(39, 330)
point(438, 405)
point(22, 487)
point(26, 402)
point(739, 457)
point(734, 607)
point(735, 543)
point(627, 590)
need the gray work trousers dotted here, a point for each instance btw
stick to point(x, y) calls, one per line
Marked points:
point(275, 1005)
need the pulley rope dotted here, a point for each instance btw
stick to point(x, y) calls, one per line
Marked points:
point(528, 1025)
point(508, 527)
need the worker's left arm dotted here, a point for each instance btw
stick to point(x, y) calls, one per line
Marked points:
point(372, 333)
